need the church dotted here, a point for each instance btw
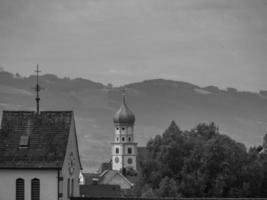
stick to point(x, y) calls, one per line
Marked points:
point(123, 169)
point(124, 149)
point(39, 157)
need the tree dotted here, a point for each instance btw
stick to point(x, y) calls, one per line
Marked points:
point(202, 163)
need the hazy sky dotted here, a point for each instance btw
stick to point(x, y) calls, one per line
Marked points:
point(206, 42)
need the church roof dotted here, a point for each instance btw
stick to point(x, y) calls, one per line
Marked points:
point(28, 140)
point(124, 115)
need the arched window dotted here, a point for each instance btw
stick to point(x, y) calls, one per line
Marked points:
point(35, 189)
point(68, 187)
point(20, 194)
point(72, 187)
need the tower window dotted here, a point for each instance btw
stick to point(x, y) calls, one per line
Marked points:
point(129, 150)
point(35, 189)
point(117, 150)
point(117, 159)
point(130, 160)
point(20, 189)
point(123, 139)
point(129, 139)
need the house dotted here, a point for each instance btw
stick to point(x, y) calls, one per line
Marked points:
point(39, 158)
point(110, 183)
point(108, 177)
point(114, 177)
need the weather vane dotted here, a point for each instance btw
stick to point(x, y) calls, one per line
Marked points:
point(37, 88)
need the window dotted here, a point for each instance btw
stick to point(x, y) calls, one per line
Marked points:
point(129, 150)
point(35, 189)
point(117, 150)
point(24, 141)
point(68, 187)
point(122, 139)
point(117, 128)
point(123, 128)
point(130, 161)
point(129, 139)
point(20, 189)
point(117, 159)
point(117, 138)
point(72, 187)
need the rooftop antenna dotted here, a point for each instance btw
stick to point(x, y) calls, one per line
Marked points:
point(37, 89)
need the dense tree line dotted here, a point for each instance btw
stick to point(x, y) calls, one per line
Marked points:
point(201, 163)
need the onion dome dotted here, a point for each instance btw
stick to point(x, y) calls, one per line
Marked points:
point(124, 115)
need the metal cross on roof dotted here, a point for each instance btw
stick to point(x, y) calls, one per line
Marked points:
point(37, 89)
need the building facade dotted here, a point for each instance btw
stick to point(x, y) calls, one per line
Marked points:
point(39, 158)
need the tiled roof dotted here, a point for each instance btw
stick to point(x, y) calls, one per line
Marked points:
point(107, 176)
point(100, 191)
point(90, 177)
point(48, 136)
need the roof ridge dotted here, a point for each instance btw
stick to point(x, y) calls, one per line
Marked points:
point(40, 111)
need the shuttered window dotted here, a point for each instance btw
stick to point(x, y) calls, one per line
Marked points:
point(35, 191)
point(20, 194)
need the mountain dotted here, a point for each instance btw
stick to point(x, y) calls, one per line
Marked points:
point(239, 114)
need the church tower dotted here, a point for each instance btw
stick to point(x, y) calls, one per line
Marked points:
point(124, 149)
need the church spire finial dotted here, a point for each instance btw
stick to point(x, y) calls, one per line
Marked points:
point(123, 94)
point(37, 89)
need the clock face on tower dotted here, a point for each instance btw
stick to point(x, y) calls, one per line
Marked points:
point(117, 159)
point(71, 163)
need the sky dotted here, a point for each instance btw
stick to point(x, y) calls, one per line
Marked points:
point(204, 42)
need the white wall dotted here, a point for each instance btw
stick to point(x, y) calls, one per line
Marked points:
point(48, 183)
point(71, 147)
point(116, 166)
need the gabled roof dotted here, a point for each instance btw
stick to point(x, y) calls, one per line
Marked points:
point(48, 135)
point(107, 178)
